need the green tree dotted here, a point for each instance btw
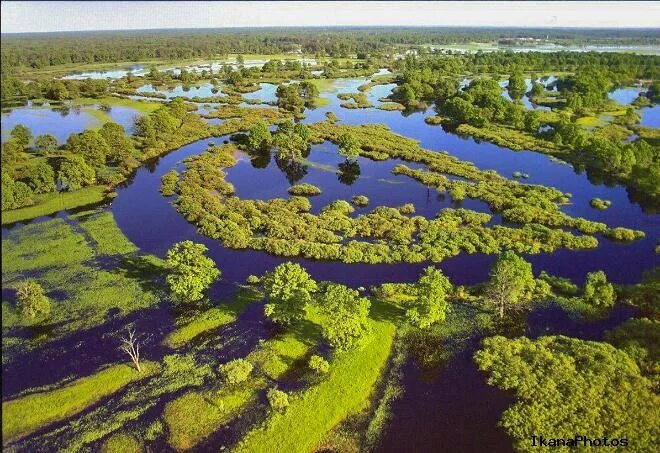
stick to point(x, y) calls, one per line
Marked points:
point(11, 153)
point(15, 194)
point(345, 316)
point(45, 144)
point(277, 399)
point(511, 282)
point(190, 271)
point(349, 146)
point(41, 177)
point(56, 90)
point(597, 290)
point(74, 173)
point(91, 146)
point(235, 371)
point(259, 137)
point(32, 300)
point(120, 146)
point(516, 86)
point(21, 134)
point(565, 386)
point(430, 304)
point(289, 290)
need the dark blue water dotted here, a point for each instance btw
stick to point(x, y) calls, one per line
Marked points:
point(650, 116)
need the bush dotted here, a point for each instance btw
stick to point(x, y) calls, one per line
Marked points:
point(304, 189)
point(31, 299)
point(121, 443)
point(277, 399)
point(236, 371)
point(253, 280)
point(360, 200)
point(597, 203)
point(319, 364)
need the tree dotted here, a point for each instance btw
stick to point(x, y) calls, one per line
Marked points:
point(565, 386)
point(131, 346)
point(345, 316)
point(319, 364)
point(290, 141)
point(516, 86)
point(45, 144)
point(41, 178)
point(56, 90)
point(597, 291)
point(91, 146)
point(289, 290)
point(236, 371)
point(511, 282)
point(349, 146)
point(31, 299)
point(259, 137)
point(277, 399)
point(74, 173)
point(11, 153)
point(190, 271)
point(21, 134)
point(120, 147)
point(430, 304)
point(15, 194)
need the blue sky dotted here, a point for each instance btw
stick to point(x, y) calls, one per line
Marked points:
point(67, 16)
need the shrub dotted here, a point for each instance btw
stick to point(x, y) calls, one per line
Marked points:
point(277, 399)
point(253, 280)
point(319, 364)
point(304, 189)
point(236, 371)
point(597, 203)
point(31, 299)
point(121, 443)
point(360, 200)
point(407, 209)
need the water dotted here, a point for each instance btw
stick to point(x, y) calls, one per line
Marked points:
point(137, 70)
point(203, 91)
point(63, 122)
point(625, 96)
point(650, 116)
point(265, 94)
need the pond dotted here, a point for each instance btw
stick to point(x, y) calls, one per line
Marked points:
point(64, 121)
point(650, 116)
point(203, 91)
point(625, 96)
point(137, 70)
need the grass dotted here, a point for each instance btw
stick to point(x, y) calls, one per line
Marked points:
point(211, 319)
point(50, 203)
point(82, 294)
point(194, 416)
point(345, 391)
point(27, 414)
point(114, 101)
point(121, 443)
point(108, 238)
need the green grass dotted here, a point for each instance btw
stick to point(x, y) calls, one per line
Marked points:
point(211, 319)
point(50, 203)
point(142, 106)
point(27, 414)
point(121, 443)
point(108, 238)
point(194, 416)
point(60, 258)
point(345, 390)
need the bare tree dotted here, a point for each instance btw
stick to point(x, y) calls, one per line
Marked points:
point(131, 346)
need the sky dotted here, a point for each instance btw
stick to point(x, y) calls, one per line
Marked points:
point(20, 16)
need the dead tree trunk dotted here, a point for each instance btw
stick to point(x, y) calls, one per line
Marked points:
point(131, 346)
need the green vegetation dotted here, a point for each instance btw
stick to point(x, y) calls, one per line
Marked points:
point(26, 414)
point(360, 200)
point(88, 293)
point(50, 203)
point(190, 271)
point(288, 288)
point(277, 399)
point(304, 189)
point(168, 183)
point(235, 371)
point(344, 391)
point(597, 203)
point(359, 101)
point(566, 386)
point(121, 443)
point(32, 301)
